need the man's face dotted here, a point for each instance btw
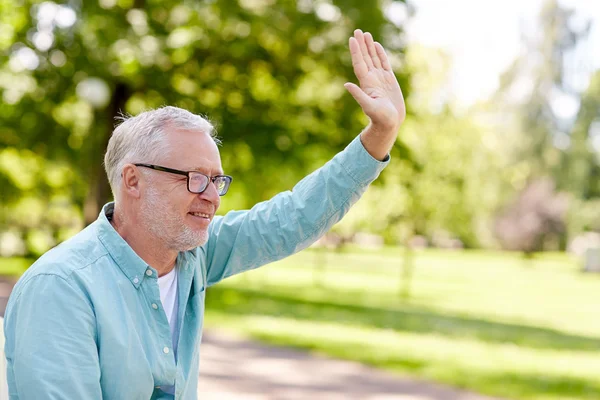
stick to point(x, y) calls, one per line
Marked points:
point(168, 210)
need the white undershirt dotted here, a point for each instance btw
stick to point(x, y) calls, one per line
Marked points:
point(169, 296)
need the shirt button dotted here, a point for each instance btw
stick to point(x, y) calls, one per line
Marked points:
point(154, 306)
point(136, 280)
point(149, 272)
point(166, 350)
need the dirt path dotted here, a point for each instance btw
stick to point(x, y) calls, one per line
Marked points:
point(232, 368)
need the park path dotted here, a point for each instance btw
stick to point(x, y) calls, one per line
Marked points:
point(233, 368)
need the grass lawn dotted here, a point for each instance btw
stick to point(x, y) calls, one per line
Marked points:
point(490, 322)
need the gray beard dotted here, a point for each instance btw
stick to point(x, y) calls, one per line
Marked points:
point(167, 226)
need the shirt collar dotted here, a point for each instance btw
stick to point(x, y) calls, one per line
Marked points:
point(128, 261)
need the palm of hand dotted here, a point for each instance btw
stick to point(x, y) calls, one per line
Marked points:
point(387, 105)
point(379, 94)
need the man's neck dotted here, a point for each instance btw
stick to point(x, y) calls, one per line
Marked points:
point(145, 246)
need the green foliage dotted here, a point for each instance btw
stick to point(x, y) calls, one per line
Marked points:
point(542, 143)
point(269, 73)
point(14, 267)
point(584, 216)
point(451, 189)
point(546, 65)
point(36, 197)
point(582, 166)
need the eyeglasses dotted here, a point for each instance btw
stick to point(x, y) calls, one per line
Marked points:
point(197, 182)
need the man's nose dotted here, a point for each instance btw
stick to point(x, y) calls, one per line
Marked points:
point(211, 194)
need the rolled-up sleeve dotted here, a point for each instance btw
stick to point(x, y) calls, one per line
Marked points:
point(292, 220)
point(50, 343)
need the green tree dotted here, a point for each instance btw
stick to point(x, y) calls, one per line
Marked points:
point(582, 164)
point(532, 87)
point(269, 73)
point(582, 169)
point(530, 105)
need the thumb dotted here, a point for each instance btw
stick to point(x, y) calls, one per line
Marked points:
point(361, 97)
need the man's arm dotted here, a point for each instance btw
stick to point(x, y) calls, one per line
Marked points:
point(50, 342)
point(291, 221)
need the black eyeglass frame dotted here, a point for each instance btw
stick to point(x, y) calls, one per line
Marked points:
point(212, 179)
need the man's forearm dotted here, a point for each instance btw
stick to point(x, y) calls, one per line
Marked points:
point(292, 220)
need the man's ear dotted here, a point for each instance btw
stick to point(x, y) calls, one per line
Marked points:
point(131, 180)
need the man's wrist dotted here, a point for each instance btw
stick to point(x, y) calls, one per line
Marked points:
point(378, 140)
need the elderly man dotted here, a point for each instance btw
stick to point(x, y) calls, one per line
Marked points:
point(116, 311)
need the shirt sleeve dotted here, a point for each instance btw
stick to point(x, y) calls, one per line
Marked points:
point(50, 343)
point(292, 220)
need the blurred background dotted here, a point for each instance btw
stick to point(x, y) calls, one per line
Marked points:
point(473, 261)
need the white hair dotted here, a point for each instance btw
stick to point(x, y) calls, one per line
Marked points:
point(143, 138)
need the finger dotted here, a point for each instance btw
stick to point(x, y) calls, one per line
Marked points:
point(385, 63)
point(360, 38)
point(360, 68)
point(372, 51)
point(363, 99)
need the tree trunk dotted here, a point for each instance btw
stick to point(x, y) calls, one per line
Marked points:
point(99, 189)
point(406, 271)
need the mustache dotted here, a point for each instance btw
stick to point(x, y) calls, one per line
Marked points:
point(205, 207)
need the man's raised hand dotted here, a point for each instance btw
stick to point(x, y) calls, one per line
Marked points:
point(379, 94)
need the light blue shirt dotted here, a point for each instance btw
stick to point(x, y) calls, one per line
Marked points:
point(86, 321)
